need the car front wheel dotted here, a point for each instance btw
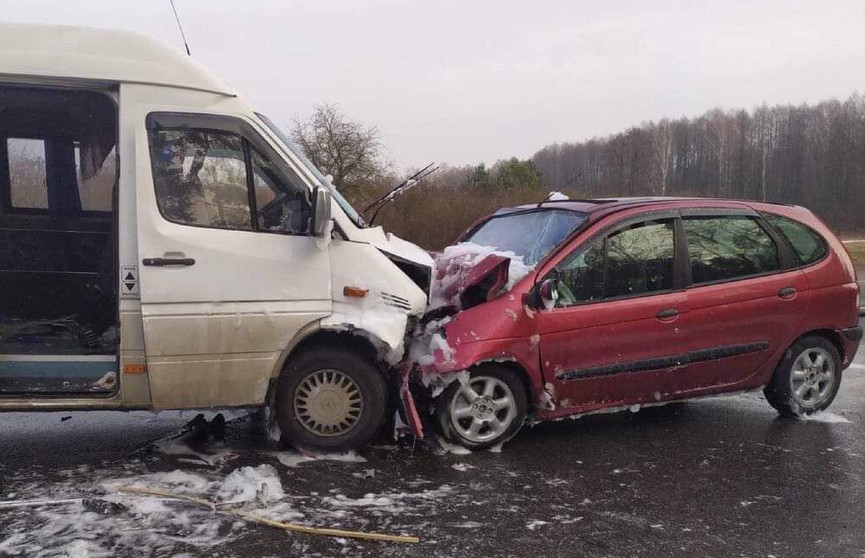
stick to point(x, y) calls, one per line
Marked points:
point(807, 378)
point(484, 411)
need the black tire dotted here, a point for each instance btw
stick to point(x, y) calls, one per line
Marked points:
point(780, 392)
point(293, 400)
point(453, 429)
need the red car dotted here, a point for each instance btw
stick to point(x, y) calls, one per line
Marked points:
point(572, 307)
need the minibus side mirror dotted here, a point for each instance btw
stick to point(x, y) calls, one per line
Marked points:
point(320, 211)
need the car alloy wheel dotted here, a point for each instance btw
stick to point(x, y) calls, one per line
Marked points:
point(812, 377)
point(482, 409)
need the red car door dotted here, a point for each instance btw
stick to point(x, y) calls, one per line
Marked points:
point(617, 334)
point(744, 302)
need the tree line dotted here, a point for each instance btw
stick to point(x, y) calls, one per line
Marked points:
point(811, 155)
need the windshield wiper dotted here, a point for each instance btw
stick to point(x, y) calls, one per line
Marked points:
point(398, 190)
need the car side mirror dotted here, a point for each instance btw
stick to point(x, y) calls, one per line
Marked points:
point(321, 215)
point(548, 293)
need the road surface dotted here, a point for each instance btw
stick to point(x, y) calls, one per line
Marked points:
point(719, 477)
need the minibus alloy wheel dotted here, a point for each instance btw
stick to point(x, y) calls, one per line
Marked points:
point(484, 411)
point(330, 400)
point(807, 378)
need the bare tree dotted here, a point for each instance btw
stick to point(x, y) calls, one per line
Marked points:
point(349, 151)
point(663, 155)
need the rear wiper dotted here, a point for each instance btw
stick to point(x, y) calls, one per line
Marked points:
point(398, 190)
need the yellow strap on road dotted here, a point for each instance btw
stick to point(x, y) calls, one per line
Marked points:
point(265, 521)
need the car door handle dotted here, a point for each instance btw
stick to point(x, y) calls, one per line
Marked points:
point(667, 313)
point(160, 262)
point(787, 292)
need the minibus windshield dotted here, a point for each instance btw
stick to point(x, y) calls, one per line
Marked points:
point(322, 180)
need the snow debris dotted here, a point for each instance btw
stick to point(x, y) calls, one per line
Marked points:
point(293, 458)
point(456, 260)
point(534, 340)
point(557, 196)
point(446, 447)
point(365, 474)
point(535, 523)
point(469, 525)
point(429, 345)
point(824, 416)
point(440, 382)
point(251, 483)
point(546, 399)
point(391, 502)
point(462, 467)
point(496, 448)
point(108, 381)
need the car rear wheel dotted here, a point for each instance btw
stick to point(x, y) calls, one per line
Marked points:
point(330, 400)
point(485, 411)
point(807, 378)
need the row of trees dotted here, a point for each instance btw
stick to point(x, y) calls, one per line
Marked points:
point(807, 155)
point(811, 155)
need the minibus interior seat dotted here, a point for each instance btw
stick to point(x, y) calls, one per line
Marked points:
point(58, 261)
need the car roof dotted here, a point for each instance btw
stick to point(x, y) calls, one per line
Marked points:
point(76, 53)
point(596, 207)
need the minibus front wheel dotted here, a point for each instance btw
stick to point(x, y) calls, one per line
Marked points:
point(330, 400)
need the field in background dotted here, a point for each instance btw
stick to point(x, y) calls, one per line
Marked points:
point(857, 252)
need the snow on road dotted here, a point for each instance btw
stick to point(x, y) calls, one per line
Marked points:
point(104, 521)
point(649, 483)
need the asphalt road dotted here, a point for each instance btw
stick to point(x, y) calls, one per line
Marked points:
point(719, 477)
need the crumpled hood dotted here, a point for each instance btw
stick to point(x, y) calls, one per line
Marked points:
point(469, 274)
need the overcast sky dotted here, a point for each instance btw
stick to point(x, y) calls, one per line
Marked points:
point(469, 81)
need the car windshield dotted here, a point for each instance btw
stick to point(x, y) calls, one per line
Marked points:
point(530, 234)
point(322, 180)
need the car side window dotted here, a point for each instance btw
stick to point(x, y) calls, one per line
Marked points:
point(721, 248)
point(639, 259)
point(203, 177)
point(806, 243)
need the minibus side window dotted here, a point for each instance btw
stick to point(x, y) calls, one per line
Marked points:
point(218, 178)
point(279, 208)
point(200, 178)
point(28, 185)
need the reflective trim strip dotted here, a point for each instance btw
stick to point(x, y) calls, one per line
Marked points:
point(661, 363)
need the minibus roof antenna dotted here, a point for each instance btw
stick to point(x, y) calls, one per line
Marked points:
point(179, 26)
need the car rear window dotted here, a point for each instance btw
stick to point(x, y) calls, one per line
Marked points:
point(728, 247)
point(808, 245)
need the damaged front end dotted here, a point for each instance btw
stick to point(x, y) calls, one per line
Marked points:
point(455, 334)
